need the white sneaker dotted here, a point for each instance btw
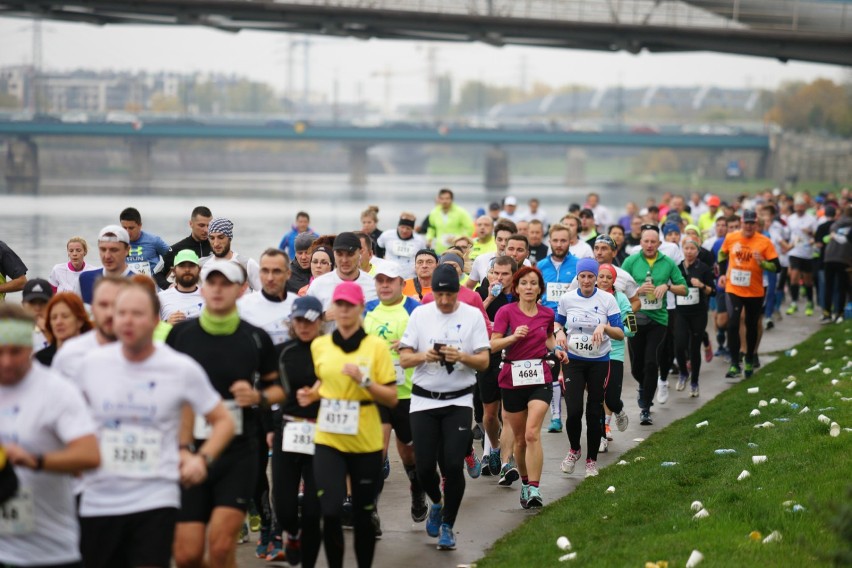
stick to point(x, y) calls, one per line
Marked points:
point(662, 391)
point(591, 468)
point(570, 461)
point(604, 447)
point(621, 421)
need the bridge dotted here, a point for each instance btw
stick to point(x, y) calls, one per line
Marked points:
point(807, 30)
point(22, 170)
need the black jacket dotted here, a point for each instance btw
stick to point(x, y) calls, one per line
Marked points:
point(202, 249)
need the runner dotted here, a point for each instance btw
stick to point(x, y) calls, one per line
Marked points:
point(48, 439)
point(691, 314)
point(347, 259)
point(13, 272)
point(293, 443)
point(221, 235)
point(536, 234)
point(370, 263)
point(322, 262)
point(300, 265)
point(135, 390)
point(369, 226)
point(270, 307)
point(183, 300)
point(588, 232)
point(578, 247)
point(146, 249)
point(355, 373)
point(197, 242)
point(64, 276)
point(447, 221)
point(502, 231)
point(747, 254)
point(838, 258)
point(37, 293)
point(658, 274)
point(445, 342)
point(65, 318)
point(401, 244)
point(232, 352)
point(113, 247)
point(526, 378)
point(300, 227)
point(484, 241)
point(588, 319)
point(802, 227)
point(417, 287)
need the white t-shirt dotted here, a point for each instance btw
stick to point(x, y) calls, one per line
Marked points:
point(39, 340)
point(70, 356)
point(140, 401)
point(66, 279)
point(464, 329)
point(624, 283)
point(802, 247)
point(323, 287)
point(671, 250)
point(603, 218)
point(582, 315)
point(483, 263)
point(272, 317)
point(42, 414)
point(401, 251)
point(581, 249)
point(779, 232)
point(173, 300)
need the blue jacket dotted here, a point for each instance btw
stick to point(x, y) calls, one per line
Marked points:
point(566, 273)
point(288, 241)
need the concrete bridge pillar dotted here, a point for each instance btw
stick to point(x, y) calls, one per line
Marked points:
point(140, 165)
point(359, 164)
point(496, 168)
point(575, 166)
point(22, 172)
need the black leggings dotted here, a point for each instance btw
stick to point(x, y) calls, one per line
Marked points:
point(261, 490)
point(691, 332)
point(612, 387)
point(753, 312)
point(667, 350)
point(331, 467)
point(442, 437)
point(644, 350)
point(288, 470)
point(836, 275)
point(580, 376)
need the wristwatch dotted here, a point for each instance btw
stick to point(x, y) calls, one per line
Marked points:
point(366, 382)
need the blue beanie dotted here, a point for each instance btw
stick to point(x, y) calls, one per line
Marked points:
point(670, 228)
point(587, 265)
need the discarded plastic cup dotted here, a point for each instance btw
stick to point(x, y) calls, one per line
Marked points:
point(610, 489)
point(754, 412)
point(834, 381)
point(774, 536)
point(758, 459)
point(794, 406)
point(768, 425)
point(696, 506)
point(753, 390)
point(762, 403)
point(702, 514)
point(798, 508)
point(622, 462)
point(725, 452)
point(824, 419)
point(791, 385)
point(743, 475)
point(569, 556)
point(791, 352)
point(828, 341)
point(563, 543)
point(694, 559)
point(827, 371)
point(752, 445)
point(773, 401)
point(703, 424)
point(834, 430)
point(668, 464)
point(804, 410)
point(813, 368)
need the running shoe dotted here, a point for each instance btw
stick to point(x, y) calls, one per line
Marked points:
point(681, 382)
point(721, 352)
point(386, 468)
point(485, 469)
point(263, 544)
point(377, 523)
point(525, 490)
point(508, 474)
point(534, 500)
point(591, 468)
point(693, 391)
point(254, 522)
point(645, 418)
point(839, 318)
point(769, 324)
point(447, 540)
point(604, 447)
point(293, 550)
point(608, 433)
point(662, 391)
point(276, 552)
point(477, 432)
point(792, 309)
point(555, 425)
point(433, 523)
point(419, 508)
point(474, 466)
point(242, 537)
point(756, 361)
point(734, 372)
point(749, 370)
point(570, 461)
point(674, 370)
point(708, 352)
point(809, 309)
point(494, 462)
point(621, 421)
point(825, 319)
point(346, 518)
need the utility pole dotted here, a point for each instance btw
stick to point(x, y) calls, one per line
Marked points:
point(35, 82)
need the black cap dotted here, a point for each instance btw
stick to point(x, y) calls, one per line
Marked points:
point(303, 241)
point(307, 307)
point(428, 252)
point(587, 213)
point(37, 289)
point(494, 206)
point(445, 279)
point(749, 216)
point(348, 242)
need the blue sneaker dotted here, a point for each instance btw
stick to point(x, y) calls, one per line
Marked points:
point(474, 466)
point(447, 540)
point(433, 523)
point(386, 468)
point(555, 426)
point(494, 463)
point(525, 490)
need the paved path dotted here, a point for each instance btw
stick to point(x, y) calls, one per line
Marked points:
point(490, 511)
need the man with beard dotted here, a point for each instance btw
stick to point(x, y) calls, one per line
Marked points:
point(300, 266)
point(196, 242)
point(221, 235)
point(183, 301)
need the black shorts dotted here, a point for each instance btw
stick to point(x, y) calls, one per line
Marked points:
point(398, 419)
point(137, 539)
point(486, 382)
point(802, 264)
point(230, 483)
point(721, 302)
point(516, 400)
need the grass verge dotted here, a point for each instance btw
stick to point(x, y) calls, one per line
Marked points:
point(648, 518)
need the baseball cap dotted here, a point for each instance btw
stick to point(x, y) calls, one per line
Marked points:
point(37, 289)
point(445, 279)
point(389, 269)
point(714, 201)
point(114, 234)
point(587, 213)
point(303, 241)
point(307, 307)
point(510, 201)
point(186, 255)
point(348, 292)
point(347, 242)
point(494, 206)
point(227, 268)
point(749, 216)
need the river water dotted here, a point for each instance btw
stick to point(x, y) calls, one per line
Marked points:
point(37, 227)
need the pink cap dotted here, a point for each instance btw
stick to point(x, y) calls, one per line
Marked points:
point(348, 292)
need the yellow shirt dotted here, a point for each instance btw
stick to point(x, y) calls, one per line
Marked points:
point(481, 248)
point(329, 360)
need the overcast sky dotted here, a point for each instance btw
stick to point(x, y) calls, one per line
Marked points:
point(360, 65)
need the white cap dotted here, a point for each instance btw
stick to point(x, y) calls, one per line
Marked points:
point(510, 201)
point(389, 269)
point(227, 268)
point(114, 234)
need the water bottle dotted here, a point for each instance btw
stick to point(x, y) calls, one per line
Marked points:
point(496, 289)
point(650, 295)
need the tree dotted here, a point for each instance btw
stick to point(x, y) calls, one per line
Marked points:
point(821, 105)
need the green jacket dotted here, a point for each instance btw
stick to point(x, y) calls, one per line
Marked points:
point(664, 271)
point(455, 223)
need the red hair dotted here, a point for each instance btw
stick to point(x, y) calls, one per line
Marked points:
point(75, 304)
point(524, 271)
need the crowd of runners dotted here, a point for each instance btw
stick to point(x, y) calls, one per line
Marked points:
point(144, 400)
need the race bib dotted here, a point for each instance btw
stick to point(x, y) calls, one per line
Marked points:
point(339, 416)
point(299, 438)
point(140, 268)
point(527, 372)
point(400, 373)
point(403, 248)
point(581, 344)
point(556, 290)
point(202, 428)
point(647, 304)
point(131, 451)
point(740, 277)
point(17, 515)
point(690, 299)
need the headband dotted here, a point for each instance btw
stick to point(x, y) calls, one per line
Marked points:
point(16, 332)
point(406, 223)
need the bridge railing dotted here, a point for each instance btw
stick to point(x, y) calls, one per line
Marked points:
point(834, 16)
